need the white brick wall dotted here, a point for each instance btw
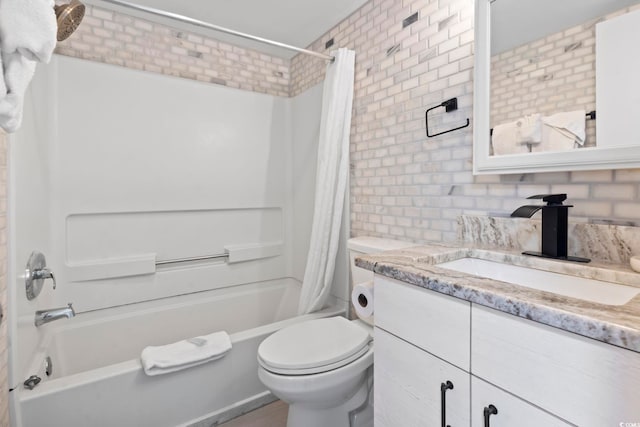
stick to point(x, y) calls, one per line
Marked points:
point(410, 187)
point(115, 38)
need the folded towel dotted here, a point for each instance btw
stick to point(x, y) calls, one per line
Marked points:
point(505, 140)
point(184, 354)
point(28, 27)
point(563, 131)
point(17, 73)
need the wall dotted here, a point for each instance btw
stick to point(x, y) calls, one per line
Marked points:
point(120, 39)
point(163, 184)
point(403, 185)
point(410, 187)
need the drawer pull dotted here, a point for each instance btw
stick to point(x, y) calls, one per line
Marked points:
point(443, 401)
point(488, 411)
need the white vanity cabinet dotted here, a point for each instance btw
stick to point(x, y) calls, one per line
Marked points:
point(510, 410)
point(532, 374)
point(410, 384)
point(586, 382)
point(418, 367)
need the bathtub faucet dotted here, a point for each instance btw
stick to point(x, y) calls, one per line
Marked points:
point(46, 316)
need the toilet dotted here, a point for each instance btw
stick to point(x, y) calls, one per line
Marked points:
point(323, 367)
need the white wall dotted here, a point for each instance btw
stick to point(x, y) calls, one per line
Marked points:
point(117, 168)
point(147, 167)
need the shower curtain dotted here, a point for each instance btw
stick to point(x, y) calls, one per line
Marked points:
point(331, 181)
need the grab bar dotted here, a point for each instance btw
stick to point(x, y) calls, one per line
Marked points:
point(199, 258)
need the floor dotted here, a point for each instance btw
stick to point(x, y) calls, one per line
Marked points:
point(272, 415)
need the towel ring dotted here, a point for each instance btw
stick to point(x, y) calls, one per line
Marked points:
point(449, 105)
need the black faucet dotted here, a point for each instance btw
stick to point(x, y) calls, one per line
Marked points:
point(555, 224)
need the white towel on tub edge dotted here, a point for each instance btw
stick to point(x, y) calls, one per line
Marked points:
point(158, 360)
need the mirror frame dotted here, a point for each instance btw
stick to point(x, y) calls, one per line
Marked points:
point(591, 158)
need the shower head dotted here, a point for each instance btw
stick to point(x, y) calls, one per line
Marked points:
point(69, 17)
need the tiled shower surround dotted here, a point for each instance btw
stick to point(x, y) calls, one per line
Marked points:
point(404, 185)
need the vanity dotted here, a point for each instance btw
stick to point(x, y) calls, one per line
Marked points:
point(458, 349)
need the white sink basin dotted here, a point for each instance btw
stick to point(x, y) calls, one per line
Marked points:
point(562, 284)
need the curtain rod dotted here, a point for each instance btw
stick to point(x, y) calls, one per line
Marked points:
point(203, 24)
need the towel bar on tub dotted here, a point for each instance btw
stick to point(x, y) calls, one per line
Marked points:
point(192, 259)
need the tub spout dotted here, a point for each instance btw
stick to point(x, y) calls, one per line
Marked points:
point(46, 316)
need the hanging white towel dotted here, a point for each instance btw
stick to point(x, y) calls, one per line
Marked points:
point(185, 354)
point(28, 27)
point(18, 72)
point(529, 129)
point(563, 131)
point(504, 140)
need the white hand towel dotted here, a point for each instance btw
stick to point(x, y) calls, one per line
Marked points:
point(505, 140)
point(28, 27)
point(184, 354)
point(570, 123)
point(18, 72)
point(562, 131)
point(554, 139)
point(529, 129)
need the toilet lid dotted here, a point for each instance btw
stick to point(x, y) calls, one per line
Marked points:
point(313, 346)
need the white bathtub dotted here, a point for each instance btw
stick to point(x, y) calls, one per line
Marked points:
point(97, 379)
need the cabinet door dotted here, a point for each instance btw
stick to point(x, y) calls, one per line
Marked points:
point(408, 386)
point(437, 323)
point(510, 411)
point(583, 381)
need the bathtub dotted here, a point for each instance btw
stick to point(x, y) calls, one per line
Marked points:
point(97, 379)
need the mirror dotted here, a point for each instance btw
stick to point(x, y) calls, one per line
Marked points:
point(548, 94)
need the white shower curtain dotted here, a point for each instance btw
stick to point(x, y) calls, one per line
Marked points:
point(331, 181)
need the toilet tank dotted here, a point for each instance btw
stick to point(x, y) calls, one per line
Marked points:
point(369, 245)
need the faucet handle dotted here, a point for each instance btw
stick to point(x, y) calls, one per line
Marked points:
point(44, 273)
point(551, 199)
point(36, 273)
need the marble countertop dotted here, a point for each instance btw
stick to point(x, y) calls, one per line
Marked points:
point(613, 324)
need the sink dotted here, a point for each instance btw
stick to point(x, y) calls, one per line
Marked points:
point(592, 290)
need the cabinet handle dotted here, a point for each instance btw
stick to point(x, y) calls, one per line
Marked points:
point(488, 411)
point(443, 401)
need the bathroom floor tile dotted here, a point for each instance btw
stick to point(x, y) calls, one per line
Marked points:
point(272, 415)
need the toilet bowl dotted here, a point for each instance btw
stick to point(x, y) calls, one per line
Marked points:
point(320, 368)
point(323, 367)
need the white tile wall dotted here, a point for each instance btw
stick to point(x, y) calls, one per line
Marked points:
point(407, 186)
point(119, 39)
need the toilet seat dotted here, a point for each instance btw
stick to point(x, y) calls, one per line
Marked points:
point(314, 346)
